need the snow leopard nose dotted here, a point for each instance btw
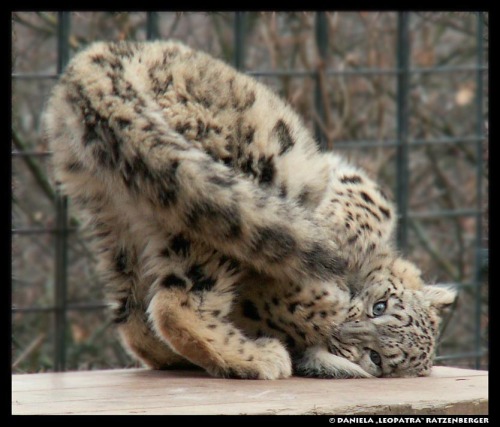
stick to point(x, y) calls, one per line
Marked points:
point(355, 332)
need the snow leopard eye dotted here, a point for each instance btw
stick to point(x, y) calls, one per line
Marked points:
point(379, 308)
point(375, 358)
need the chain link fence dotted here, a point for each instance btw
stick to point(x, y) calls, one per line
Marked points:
point(402, 94)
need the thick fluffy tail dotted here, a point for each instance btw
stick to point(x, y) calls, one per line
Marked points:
point(101, 119)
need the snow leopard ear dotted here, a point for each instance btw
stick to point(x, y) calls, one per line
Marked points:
point(439, 297)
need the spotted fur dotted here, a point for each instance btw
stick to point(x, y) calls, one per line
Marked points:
point(227, 240)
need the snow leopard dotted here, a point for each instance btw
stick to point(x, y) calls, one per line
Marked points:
point(226, 239)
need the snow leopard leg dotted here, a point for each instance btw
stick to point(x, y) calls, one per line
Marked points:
point(319, 362)
point(190, 302)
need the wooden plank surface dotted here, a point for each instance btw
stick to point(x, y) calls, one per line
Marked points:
point(139, 391)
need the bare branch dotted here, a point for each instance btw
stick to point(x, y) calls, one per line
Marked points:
point(436, 255)
point(34, 167)
point(32, 347)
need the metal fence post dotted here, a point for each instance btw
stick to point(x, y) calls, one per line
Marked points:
point(152, 26)
point(239, 40)
point(61, 235)
point(321, 37)
point(478, 279)
point(402, 156)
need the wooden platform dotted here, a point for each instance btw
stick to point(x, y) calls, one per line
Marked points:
point(447, 391)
